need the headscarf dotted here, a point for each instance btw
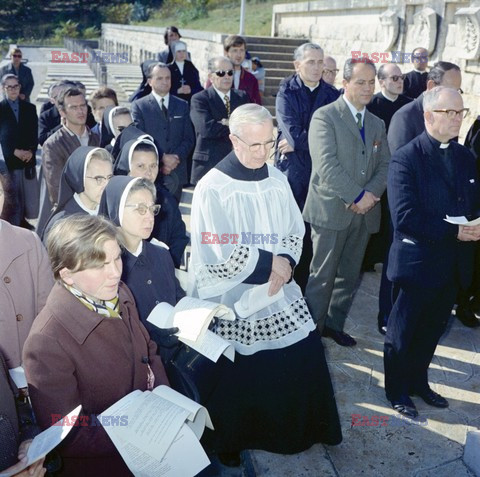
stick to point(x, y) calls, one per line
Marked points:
point(123, 165)
point(129, 133)
point(107, 128)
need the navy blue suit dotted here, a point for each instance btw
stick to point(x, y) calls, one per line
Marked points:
point(427, 264)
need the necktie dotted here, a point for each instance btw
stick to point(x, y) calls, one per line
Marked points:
point(164, 109)
point(227, 105)
point(359, 120)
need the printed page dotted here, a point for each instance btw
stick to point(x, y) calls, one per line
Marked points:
point(212, 346)
point(255, 299)
point(162, 315)
point(47, 440)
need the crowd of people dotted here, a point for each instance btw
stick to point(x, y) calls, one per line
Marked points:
point(78, 286)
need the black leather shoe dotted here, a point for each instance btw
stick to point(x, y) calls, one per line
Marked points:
point(230, 459)
point(405, 407)
point(432, 398)
point(467, 317)
point(382, 328)
point(341, 338)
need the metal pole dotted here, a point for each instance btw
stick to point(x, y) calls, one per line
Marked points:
point(242, 17)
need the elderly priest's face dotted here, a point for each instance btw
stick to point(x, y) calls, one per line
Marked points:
point(254, 144)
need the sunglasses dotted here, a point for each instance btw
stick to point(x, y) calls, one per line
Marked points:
point(222, 73)
point(395, 78)
point(17, 56)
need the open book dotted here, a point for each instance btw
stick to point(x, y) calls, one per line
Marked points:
point(46, 441)
point(162, 434)
point(192, 317)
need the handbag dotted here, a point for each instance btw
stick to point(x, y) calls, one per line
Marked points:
point(31, 191)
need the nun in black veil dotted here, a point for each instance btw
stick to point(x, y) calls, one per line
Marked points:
point(139, 158)
point(84, 177)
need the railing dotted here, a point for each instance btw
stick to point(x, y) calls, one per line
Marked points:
point(95, 61)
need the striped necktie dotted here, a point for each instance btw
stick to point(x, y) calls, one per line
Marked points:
point(227, 105)
point(359, 120)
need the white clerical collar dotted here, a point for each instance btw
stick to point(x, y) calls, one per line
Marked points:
point(82, 205)
point(354, 110)
point(444, 145)
point(159, 98)
point(311, 88)
point(222, 95)
point(388, 97)
point(418, 71)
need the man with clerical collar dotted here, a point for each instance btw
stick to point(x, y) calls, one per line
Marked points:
point(298, 97)
point(416, 80)
point(350, 155)
point(430, 259)
point(210, 111)
point(22, 72)
point(72, 106)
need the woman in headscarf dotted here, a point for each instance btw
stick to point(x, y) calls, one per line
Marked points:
point(88, 346)
point(185, 77)
point(148, 269)
point(139, 158)
point(85, 175)
point(115, 120)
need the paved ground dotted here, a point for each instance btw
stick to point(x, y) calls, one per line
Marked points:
point(430, 446)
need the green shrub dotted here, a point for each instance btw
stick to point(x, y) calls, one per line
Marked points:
point(120, 13)
point(68, 28)
point(91, 33)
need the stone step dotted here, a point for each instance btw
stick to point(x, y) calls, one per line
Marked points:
point(267, 63)
point(264, 55)
point(268, 40)
point(272, 48)
point(278, 72)
point(273, 81)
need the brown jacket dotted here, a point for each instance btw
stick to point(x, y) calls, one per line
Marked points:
point(26, 281)
point(75, 356)
point(56, 150)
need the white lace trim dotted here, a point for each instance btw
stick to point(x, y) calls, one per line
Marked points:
point(276, 326)
point(292, 243)
point(209, 275)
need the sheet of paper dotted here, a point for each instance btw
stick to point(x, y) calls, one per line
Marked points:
point(255, 299)
point(18, 377)
point(47, 440)
point(461, 220)
point(212, 346)
point(162, 315)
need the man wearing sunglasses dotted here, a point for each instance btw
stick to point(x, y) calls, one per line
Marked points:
point(210, 110)
point(22, 72)
point(416, 80)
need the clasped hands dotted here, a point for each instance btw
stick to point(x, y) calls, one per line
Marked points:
point(23, 154)
point(468, 233)
point(281, 274)
point(366, 203)
point(169, 163)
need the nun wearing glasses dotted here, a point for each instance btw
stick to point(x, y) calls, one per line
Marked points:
point(139, 158)
point(84, 177)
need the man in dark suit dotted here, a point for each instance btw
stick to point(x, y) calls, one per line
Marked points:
point(167, 119)
point(430, 259)
point(22, 72)
point(349, 151)
point(416, 80)
point(407, 123)
point(18, 139)
point(299, 96)
point(210, 110)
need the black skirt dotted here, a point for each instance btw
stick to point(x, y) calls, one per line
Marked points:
point(275, 400)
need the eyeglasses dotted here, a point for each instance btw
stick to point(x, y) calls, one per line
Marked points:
point(16, 56)
point(395, 78)
point(255, 147)
point(12, 86)
point(453, 113)
point(76, 107)
point(100, 179)
point(143, 208)
point(222, 73)
point(330, 72)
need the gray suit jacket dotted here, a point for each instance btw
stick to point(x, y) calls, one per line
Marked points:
point(343, 165)
point(175, 136)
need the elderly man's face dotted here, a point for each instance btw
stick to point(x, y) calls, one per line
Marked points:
point(329, 70)
point(254, 144)
point(442, 124)
point(310, 67)
point(222, 77)
point(393, 82)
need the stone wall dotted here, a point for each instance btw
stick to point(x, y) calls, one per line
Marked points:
point(450, 30)
point(142, 43)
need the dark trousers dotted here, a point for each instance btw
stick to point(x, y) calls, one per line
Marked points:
point(417, 321)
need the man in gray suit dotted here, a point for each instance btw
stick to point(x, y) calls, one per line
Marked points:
point(350, 155)
point(167, 119)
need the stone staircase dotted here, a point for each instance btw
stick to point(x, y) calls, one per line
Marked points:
point(276, 55)
point(124, 78)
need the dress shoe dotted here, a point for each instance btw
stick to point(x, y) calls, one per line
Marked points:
point(467, 317)
point(341, 338)
point(230, 459)
point(405, 407)
point(432, 398)
point(382, 327)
